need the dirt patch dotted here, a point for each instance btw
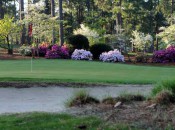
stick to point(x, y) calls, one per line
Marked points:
point(135, 114)
point(12, 57)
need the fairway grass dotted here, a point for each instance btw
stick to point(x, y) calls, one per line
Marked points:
point(82, 71)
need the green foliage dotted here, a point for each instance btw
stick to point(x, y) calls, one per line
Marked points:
point(8, 28)
point(80, 98)
point(99, 48)
point(164, 85)
point(78, 42)
point(42, 24)
point(167, 36)
point(140, 40)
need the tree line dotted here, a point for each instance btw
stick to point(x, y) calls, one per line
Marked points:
point(107, 17)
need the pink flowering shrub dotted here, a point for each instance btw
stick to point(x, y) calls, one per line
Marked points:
point(112, 56)
point(57, 52)
point(81, 55)
point(164, 56)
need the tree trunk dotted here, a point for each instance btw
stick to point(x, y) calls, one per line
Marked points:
point(1, 10)
point(47, 7)
point(53, 15)
point(61, 35)
point(10, 49)
point(119, 18)
point(21, 11)
point(172, 10)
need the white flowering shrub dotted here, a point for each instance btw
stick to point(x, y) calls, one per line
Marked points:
point(81, 55)
point(92, 35)
point(140, 40)
point(25, 50)
point(112, 56)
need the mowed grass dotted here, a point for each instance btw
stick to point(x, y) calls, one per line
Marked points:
point(46, 121)
point(82, 71)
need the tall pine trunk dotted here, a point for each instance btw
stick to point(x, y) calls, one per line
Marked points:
point(61, 35)
point(21, 11)
point(53, 15)
point(1, 10)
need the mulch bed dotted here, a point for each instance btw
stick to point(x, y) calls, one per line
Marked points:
point(15, 56)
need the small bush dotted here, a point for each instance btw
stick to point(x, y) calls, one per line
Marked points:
point(98, 49)
point(112, 56)
point(141, 57)
point(164, 85)
point(78, 42)
point(25, 50)
point(81, 98)
point(81, 55)
point(57, 52)
point(164, 56)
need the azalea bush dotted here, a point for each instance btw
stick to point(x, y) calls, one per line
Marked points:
point(42, 48)
point(57, 52)
point(25, 50)
point(164, 56)
point(81, 55)
point(112, 56)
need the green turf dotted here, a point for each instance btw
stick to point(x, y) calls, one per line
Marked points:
point(45, 121)
point(82, 71)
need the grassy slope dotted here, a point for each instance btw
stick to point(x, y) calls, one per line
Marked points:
point(45, 121)
point(82, 71)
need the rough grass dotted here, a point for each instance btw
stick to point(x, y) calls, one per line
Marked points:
point(82, 71)
point(45, 121)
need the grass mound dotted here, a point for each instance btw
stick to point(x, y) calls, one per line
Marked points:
point(81, 98)
point(123, 98)
point(164, 92)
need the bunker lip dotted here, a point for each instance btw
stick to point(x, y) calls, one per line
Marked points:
point(27, 84)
